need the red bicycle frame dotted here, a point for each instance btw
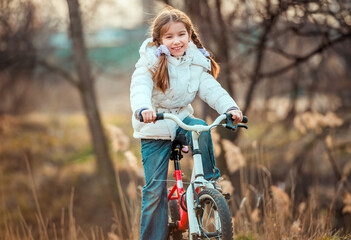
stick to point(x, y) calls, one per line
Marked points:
point(178, 188)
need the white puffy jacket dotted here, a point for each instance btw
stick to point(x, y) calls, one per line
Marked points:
point(188, 76)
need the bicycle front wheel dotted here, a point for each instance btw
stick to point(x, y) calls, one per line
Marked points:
point(213, 216)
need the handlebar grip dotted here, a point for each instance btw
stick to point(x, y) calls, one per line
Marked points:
point(159, 116)
point(229, 118)
point(229, 123)
point(245, 119)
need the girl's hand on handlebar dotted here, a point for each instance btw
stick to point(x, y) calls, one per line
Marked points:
point(149, 116)
point(237, 116)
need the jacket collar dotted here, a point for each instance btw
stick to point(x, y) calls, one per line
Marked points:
point(197, 57)
point(193, 54)
point(147, 51)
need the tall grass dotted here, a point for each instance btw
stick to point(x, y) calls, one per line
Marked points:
point(270, 217)
point(15, 227)
point(261, 208)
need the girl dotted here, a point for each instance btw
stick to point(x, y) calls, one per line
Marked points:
point(173, 68)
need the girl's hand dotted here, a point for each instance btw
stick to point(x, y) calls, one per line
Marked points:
point(237, 116)
point(148, 116)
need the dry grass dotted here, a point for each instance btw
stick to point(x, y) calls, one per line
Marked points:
point(41, 200)
point(15, 226)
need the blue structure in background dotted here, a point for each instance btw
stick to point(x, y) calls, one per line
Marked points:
point(109, 49)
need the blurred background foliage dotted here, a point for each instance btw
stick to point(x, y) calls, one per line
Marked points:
point(286, 63)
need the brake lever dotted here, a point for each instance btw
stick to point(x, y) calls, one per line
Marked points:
point(242, 125)
point(231, 127)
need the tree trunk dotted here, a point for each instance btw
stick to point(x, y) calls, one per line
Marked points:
point(86, 90)
point(106, 172)
point(222, 56)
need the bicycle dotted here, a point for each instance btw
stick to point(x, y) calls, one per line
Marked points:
point(202, 210)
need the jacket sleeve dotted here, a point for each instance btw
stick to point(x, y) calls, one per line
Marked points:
point(141, 87)
point(214, 94)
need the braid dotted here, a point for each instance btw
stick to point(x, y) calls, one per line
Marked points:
point(160, 76)
point(196, 39)
point(155, 42)
point(214, 65)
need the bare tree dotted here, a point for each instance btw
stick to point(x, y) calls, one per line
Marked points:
point(17, 55)
point(85, 85)
point(19, 58)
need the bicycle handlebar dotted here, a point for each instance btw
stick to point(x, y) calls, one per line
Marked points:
point(202, 128)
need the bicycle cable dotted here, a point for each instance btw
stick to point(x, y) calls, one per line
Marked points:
point(156, 180)
point(215, 126)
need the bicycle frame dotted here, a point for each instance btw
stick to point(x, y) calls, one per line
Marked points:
point(197, 178)
point(187, 217)
point(178, 187)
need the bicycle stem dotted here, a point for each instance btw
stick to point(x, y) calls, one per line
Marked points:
point(195, 128)
point(198, 171)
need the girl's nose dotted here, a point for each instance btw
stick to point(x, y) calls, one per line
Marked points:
point(176, 40)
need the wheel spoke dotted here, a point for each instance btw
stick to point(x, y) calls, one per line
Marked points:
point(208, 215)
point(209, 222)
point(216, 221)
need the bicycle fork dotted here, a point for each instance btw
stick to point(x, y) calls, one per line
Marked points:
point(197, 181)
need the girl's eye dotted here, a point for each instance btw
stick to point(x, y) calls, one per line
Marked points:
point(168, 37)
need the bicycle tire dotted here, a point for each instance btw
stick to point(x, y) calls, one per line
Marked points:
point(213, 216)
point(175, 216)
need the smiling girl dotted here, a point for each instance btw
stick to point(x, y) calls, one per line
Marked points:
point(173, 67)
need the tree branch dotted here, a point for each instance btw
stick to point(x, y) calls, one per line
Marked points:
point(59, 71)
point(261, 46)
point(280, 51)
point(298, 60)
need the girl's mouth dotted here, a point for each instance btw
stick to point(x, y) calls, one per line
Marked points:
point(177, 48)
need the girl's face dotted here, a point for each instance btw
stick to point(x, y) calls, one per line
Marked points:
point(176, 38)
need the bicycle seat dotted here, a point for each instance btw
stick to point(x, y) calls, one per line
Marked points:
point(177, 146)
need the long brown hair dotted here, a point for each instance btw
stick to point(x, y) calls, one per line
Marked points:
point(159, 27)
